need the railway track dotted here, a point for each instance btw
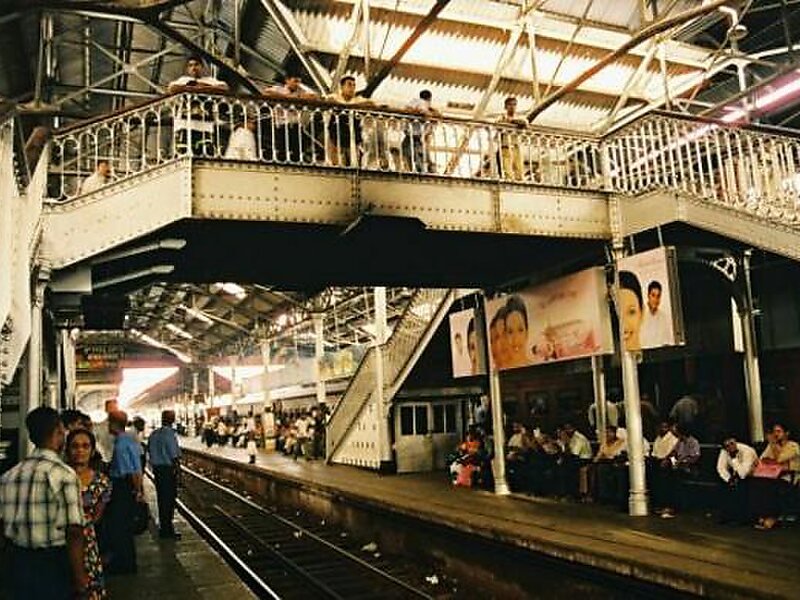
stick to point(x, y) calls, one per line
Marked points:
point(279, 558)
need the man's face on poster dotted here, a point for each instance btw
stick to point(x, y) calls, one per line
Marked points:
point(653, 299)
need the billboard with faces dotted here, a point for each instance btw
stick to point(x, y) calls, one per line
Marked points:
point(466, 344)
point(649, 298)
point(559, 320)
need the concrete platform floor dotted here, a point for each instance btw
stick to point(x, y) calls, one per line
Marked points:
point(691, 550)
point(185, 569)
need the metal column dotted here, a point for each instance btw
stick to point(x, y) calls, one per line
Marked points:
point(637, 498)
point(381, 410)
point(752, 372)
point(319, 354)
point(211, 390)
point(599, 384)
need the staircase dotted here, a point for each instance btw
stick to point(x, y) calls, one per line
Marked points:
point(357, 414)
point(742, 183)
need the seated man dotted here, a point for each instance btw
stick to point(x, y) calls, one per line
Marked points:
point(576, 452)
point(679, 465)
point(194, 128)
point(100, 177)
point(600, 478)
point(735, 465)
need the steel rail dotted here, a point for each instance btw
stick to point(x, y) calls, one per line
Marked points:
point(310, 534)
point(206, 532)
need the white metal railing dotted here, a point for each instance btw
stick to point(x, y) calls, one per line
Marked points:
point(397, 351)
point(746, 168)
point(319, 134)
point(749, 169)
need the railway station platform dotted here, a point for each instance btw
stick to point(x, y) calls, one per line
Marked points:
point(691, 554)
point(185, 569)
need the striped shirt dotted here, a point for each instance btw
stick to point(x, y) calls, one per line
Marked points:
point(39, 499)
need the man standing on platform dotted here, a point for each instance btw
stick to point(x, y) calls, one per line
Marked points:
point(41, 516)
point(164, 456)
point(126, 491)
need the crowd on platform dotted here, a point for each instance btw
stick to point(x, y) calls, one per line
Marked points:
point(751, 486)
point(297, 432)
point(69, 510)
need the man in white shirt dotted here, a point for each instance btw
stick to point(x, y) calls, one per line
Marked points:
point(416, 142)
point(656, 329)
point(103, 436)
point(100, 177)
point(287, 118)
point(194, 80)
point(735, 465)
point(194, 128)
point(242, 145)
point(576, 453)
point(665, 442)
point(344, 128)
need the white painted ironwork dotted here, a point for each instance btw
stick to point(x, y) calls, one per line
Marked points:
point(344, 431)
point(751, 170)
point(315, 134)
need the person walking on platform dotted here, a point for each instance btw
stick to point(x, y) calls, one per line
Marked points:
point(41, 517)
point(126, 491)
point(164, 456)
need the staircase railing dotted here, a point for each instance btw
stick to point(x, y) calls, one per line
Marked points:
point(398, 351)
point(750, 169)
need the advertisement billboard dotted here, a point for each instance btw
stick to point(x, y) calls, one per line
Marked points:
point(466, 345)
point(650, 300)
point(559, 320)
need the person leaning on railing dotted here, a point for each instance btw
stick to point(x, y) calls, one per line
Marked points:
point(418, 140)
point(344, 128)
point(287, 120)
point(510, 152)
point(194, 128)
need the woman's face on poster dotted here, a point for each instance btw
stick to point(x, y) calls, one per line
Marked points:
point(498, 343)
point(631, 319)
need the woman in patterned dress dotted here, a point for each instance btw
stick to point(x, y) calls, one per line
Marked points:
point(95, 493)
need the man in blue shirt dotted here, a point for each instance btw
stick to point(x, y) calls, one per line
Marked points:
point(127, 490)
point(164, 454)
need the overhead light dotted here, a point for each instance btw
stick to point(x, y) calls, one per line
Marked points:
point(150, 341)
point(780, 93)
point(234, 289)
point(197, 314)
point(179, 332)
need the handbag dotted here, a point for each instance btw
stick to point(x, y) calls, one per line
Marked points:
point(141, 517)
point(768, 470)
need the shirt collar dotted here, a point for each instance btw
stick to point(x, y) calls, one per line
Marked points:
point(45, 453)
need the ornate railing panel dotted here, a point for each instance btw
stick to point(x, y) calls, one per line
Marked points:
point(317, 134)
point(748, 169)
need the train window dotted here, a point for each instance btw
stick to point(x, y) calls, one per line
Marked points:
point(421, 419)
point(406, 420)
point(450, 418)
point(438, 419)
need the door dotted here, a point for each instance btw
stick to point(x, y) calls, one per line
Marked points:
point(413, 438)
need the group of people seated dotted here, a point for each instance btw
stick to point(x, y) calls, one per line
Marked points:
point(236, 431)
point(301, 433)
point(752, 488)
point(68, 510)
